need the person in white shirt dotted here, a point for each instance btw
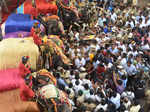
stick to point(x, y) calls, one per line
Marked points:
point(114, 17)
point(145, 45)
point(97, 47)
point(98, 40)
point(126, 102)
point(95, 64)
point(115, 99)
point(90, 96)
point(77, 87)
point(72, 94)
point(100, 21)
point(71, 52)
point(77, 36)
point(102, 105)
point(123, 47)
point(77, 62)
point(130, 68)
point(131, 23)
point(124, 60)
point(129, 94)
point(83, 62)
point(86, 80)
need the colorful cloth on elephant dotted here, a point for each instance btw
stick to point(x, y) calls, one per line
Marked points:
point(23, 70)
point(53, 17)
point(49, 91)
point(57, 49)
point(63, 97)
point(37, 39)
point(46, 73)
point(25, 92)
point(57, 40)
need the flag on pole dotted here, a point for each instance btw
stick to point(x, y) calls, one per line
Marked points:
point(20, 9)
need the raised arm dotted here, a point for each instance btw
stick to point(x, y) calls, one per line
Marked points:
point(114, 79)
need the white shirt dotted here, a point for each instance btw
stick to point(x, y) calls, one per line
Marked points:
point(77, 63)
point(123, 47)
point(101, 106)
point(98, 40)
point(86, 81)
point(77, 88)
point(130, 95)
point(128, 104)
point(131, 70)
point(100, 22)
point(91, 97)
point(148, 23)
point(77, 36)
point(116, 100)
point(131, 24)
point(97, 47)
point(114, 17)
point(143, 24)
point(71, 77)
point(123, 62)
point(83, 62)
point(71, 51)
point(145, 47)
point(74, 80)
point(95, 64)
point(135, 53)
point(130, 52)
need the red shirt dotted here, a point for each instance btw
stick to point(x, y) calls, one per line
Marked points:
point(36, 39)
point(23, 70)
point(100, 69)
point(25, 92)
point(32, 31)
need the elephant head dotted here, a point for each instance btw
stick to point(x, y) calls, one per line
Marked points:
point(52, 24)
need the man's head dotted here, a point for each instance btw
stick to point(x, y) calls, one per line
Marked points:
point(129, 63)
point(25, 59)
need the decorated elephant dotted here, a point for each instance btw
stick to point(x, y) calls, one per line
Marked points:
point(53, 99)
point(48, 96)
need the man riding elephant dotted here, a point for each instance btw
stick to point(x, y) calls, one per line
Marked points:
point(68, 15)
point(52, 24)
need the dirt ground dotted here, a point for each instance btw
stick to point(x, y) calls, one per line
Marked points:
point(10, 102)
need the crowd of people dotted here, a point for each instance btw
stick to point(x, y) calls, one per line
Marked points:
point(109, 72)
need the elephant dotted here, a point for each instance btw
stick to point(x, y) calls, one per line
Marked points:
point(48, 96)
